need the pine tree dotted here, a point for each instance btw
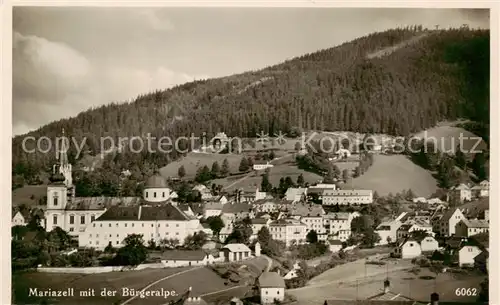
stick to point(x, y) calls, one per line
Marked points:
point(244, 166)
point(225, 168)
point(265, 185)
point(181, 172)
point(479, 166)
point(215, 172)
point(460, 158)
point(330, 176)
point(300, 180)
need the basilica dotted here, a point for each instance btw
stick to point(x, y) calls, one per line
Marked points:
point(99, 221)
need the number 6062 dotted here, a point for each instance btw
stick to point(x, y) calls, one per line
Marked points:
point(462, 292)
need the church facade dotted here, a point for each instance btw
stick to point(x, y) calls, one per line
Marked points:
point(89, 218)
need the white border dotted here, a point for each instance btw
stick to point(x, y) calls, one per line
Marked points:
point(6, 102)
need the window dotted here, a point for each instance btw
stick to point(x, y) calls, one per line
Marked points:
point(100, 225)
point(118, 235)
point(97, 242)
point(132, 225)
point(97, 235)
point(71, 229)
point(109, 235)
point(92, 218)
point(163, 194)
point(154, 194)
point(177, 225)
point(110, 225)
point(71, 219)
point(90, 235)
point(147, 194)
point(54, 219)
point(55, 200)
point(143, 225)
point(82, 219)
point(277, 292)
point(90, 242)
point(94, 224)
point(117, 242)
point(152, 225)
point(117, 224)
point(125, 225)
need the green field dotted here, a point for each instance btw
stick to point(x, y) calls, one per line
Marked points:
point(395, 173)
point(447, 138)
point(193, 161)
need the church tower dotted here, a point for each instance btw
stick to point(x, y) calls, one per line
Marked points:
point(63, 166)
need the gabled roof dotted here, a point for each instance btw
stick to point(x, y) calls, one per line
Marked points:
point(237, 248)
point(101, 203)
point(144, 213)
point(271, 280)
point(476, 223)
point(259, 221)
point(307, 210)
point(448, 214)
point(213, 206)
point(460, 187)
point(234, 208)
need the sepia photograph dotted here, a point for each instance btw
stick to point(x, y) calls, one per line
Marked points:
point(250, 155)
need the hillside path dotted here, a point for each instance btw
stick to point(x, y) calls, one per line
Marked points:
point(269, 262)
point(158, 281)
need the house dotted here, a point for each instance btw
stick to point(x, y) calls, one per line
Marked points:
point(237, 211)
point(347, 197)
point(296, 194)
point(435, 201)
point(288, 231)
point(220, 200)
point(261, 165)
point(181, 258)
point(338, 225)
point(266, 206)
point(481, 190)
point(205, 193)
point(20, 218)
point(212, 209)
point(447, 223)
point(271, 287)
point(467, 254)
point(459, 193)
point(408, 248)
point(334, 246)
point(258, 224)
point(235, 252)
point(311, 215)
point(388, 231)
point(292, 273)
point(468, 228)
point(261, 195)
point(429, 244)
point(481, 261)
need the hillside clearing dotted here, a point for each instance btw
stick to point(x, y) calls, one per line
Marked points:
point(277, 172)
point(395, 173)
point(448, 138)
point(193, 161)
point(28, 195)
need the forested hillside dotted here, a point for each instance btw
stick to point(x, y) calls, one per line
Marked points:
point(397, 82)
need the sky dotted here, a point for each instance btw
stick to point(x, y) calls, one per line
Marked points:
point(69, 59)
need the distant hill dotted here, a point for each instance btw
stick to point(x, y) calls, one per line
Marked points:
point(397, 82)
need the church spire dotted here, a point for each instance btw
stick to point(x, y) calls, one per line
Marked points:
point(64, 167)
point(62, 154)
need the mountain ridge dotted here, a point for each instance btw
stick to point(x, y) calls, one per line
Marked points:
point(439, 77)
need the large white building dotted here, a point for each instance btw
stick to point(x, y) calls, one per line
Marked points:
point(288, 231)
point(347, 197)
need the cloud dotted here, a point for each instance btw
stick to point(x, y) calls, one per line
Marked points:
point(52, 80)
point(155, 20)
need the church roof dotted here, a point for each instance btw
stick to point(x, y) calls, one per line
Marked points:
point(144, 213)
point(156, 181)
point(101, 203)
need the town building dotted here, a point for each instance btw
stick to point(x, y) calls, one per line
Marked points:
point(262, 165)
point(272, 288)
point(19, 218)
point(289, 231)
point(311, 215)
point(212, 209)
point(182, 258)
point(459, 193)
point(334, 246)
point(296, 194)
point(347, 197)
point(407, 249)
point(337, 226)
point(266, 206)
point(205, 193)
point(258, 224)
point(468, 228)
point(235, 252)
point(447, 223)
point(153, 222)
point(481, 190)
point(388, 231)
point(429, 244)
point(467, 254)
